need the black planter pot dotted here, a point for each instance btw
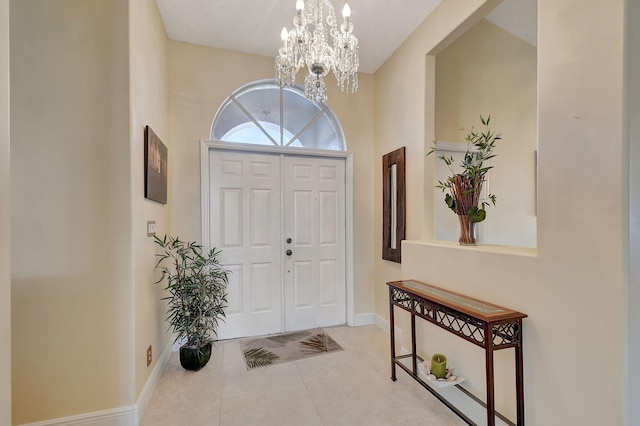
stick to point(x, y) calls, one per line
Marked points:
point(195, 358)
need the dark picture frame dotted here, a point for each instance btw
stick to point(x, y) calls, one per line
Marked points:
point(155, 167)
point(393, 204)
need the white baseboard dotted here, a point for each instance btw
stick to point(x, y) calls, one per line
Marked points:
point(362, 319)
point(123, 416)
point(152, 382)
point(383, 324)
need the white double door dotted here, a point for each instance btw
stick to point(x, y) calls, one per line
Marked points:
point(280, 222)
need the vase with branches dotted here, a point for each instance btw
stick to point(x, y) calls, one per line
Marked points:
point(196, 287)
point(462, 189)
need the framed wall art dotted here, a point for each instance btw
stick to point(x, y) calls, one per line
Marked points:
point(155, 167)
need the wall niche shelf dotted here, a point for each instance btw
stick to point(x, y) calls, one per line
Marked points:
point(481, 248)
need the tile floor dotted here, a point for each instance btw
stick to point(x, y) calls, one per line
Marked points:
point(350, 387)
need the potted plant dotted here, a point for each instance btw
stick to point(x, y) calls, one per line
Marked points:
point(463, 189)
point(196, 286)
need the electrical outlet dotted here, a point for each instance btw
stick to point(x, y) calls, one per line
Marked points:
point(149, 356)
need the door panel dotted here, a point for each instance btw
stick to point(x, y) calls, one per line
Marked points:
point(303, 293)
point(245, 224)
point(314, 218)
point(328, 283)
point(302, 210)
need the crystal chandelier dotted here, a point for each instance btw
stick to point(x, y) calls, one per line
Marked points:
point(309, 43)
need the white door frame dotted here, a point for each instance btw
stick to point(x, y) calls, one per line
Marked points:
point(208, 145)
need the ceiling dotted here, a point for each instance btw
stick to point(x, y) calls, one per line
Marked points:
point(253, 26)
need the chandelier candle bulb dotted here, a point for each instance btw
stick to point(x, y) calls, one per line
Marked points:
point(346, 12)
point(439, 365)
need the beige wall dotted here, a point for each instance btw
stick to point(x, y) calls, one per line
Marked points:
point(489, 71)
point(200, 80)
point(633, 292)
point(578, 269)
point(5, 255)
point(71, 208)
point(149, 106)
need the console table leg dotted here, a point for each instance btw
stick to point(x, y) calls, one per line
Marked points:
point(491, 408)
point(413, 344)
point(520, 380)
point(392, 333)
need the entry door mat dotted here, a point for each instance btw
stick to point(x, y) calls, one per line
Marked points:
point(276, 349)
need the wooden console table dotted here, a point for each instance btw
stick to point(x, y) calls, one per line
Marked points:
point(484, 324)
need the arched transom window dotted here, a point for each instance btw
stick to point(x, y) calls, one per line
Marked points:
point(265, 114)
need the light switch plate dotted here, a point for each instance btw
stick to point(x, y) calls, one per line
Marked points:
point(151, 228)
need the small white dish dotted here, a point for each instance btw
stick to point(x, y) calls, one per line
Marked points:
point(425, 373)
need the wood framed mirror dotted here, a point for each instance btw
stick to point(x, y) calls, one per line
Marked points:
point(393, 204)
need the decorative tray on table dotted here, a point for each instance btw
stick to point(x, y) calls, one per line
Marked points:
point(451, 379)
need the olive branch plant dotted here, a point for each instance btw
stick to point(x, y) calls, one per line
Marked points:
point(463, 188)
